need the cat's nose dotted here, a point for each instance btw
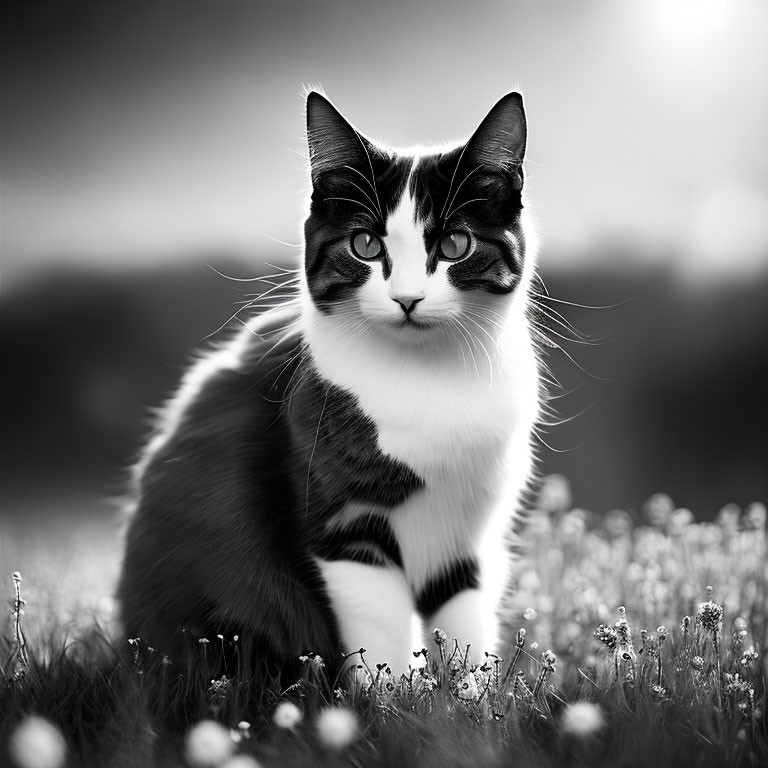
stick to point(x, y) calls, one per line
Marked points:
point(407, 303)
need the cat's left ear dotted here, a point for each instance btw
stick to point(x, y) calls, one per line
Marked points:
point(499, 141)
point(333, 142)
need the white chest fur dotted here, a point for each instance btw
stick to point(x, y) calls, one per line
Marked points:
point(464, 430)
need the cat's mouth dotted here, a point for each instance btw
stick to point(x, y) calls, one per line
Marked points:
point(409, 322)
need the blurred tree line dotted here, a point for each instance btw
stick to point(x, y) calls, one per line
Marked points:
point(673, 401)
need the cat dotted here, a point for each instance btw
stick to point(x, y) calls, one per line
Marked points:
point(345, 471)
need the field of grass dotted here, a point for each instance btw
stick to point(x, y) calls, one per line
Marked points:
point(630, 642)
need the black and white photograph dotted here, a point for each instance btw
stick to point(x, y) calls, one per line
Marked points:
point(384, 384)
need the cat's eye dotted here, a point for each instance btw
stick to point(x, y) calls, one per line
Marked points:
point(454, 246)
point(366, 245)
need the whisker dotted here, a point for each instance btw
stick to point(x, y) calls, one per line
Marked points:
point(585, 342)
point(471, 338)
point(278, 275)
point(228, 321)
point(555, 345)
point(373, 175)
point(544, 338)
point(484, 308)
point(537, 435)
point(363, 192)
point(370, 184)
point(455, 336)
point(565, 393)
point(275, 283)
point(492, 321)
point(582, 306)
point(229, 277)
point(463, 341)
point(555, 316)
point(470, 314)
point(458, 189)
point(541, 282)
point(567, 419)
point(284, 270)
point(264, 300)
point(485, 351)
point(280, 242)
point(459, 207)
point(352, 200)
point(453, 178)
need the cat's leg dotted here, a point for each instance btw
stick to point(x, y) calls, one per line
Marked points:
point(454, 602)
point(374, 610)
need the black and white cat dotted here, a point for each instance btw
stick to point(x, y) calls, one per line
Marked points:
point(344, 472)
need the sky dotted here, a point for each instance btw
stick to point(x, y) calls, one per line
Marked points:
point(137, 133)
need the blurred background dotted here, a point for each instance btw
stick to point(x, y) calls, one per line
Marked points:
point(144, 143)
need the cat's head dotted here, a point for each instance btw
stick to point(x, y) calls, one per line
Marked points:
point(420, 248)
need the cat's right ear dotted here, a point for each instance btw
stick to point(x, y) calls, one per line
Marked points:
point(333, 142)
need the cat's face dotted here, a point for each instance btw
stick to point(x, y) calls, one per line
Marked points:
point(422, 249)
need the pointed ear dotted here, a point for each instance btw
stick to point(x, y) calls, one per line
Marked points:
point(499, 142)
point(333, 142)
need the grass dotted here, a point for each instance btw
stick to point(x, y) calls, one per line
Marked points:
point(629, 642)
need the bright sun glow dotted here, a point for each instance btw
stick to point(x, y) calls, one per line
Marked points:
point(692, 21)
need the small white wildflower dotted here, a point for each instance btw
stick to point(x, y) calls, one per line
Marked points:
point(658, 509)
point(740, 623)
point(242, 732)
point(755, 516)
point(530, 614)
point(424, 682)
point(336, 727)
point(467, 688)
point(241, 761)
point(618, 523)
point(728, 517)
point(287, 715)
point(748, 656)
point(529, 582)
point(679, 520)
point(36, 743)
point(582, 719)
point(208, 744)
point(555, 494)
point(573, 525)
point(359, 677)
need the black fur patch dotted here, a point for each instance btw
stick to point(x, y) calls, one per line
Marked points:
point(218, 543)
point(461, 575)
point(369, 539)
point(231, 507)
point(337, 456)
